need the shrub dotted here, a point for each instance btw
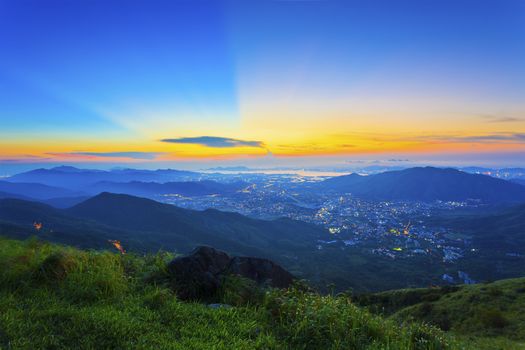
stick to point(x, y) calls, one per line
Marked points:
point(96, 276)
point(493, 318)
point(155, 298)
point(56, 267)
point(495, 292)
point(236, 290)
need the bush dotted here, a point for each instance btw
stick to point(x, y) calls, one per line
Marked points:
point(495, 292)
point(56, 267)
point(493, 318)
point(238, 291)
point(155, 298)
point(97, 276)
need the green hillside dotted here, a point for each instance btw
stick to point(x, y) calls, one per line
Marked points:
point(56, 297)
point(493, 312)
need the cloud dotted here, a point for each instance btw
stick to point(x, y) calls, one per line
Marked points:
point(489, 138)
point(500, 119)
point(397, 160)
point(216, 142)
point(132, 155)
point(23, 158)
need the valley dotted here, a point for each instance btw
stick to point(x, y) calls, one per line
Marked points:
point(319, 235)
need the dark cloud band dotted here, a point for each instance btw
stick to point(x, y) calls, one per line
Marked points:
point(215, 142)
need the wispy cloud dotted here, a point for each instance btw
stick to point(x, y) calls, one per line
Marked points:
point(501, 119)
point(23, 158)
point(488, 138)
point(216, 142)
point(131, 155)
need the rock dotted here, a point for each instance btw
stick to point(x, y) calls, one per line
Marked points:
point(198, 275)
point(262, 271)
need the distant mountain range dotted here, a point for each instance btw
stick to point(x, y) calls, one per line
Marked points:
point(74, 178)
point(66, 186)
point(35, 191)
point(426, 184)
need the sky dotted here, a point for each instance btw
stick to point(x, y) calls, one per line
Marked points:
point(262, 82)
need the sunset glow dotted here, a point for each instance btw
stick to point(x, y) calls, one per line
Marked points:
point(326, 78)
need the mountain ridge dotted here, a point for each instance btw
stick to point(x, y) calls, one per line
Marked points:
point(427, 184)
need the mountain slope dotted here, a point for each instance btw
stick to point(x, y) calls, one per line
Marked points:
point(146, 225)
point(35, 190)
point(518, 181)
point(5, 195)
point(427, 184)
point(488, 310)
point(155, 189)
point(199, 227)
point(502, 230)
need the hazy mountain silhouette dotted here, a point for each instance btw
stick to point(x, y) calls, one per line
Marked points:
point(36, 191)
point(74, 178)
point(427, 184)
point(4, 195)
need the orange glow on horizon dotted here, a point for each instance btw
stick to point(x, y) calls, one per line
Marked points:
point(278, 144)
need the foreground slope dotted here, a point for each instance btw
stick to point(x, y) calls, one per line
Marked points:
point(62, 298)
point(492, 310)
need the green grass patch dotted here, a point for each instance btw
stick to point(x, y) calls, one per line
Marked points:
point(55, 297)
point(483, 311)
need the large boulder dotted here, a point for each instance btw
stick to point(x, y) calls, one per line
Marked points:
point(262, 271)
point(199, 274)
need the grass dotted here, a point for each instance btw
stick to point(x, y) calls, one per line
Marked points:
point(490, 314)
point(56, 297)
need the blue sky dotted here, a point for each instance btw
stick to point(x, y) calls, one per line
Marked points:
point(303, 78)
